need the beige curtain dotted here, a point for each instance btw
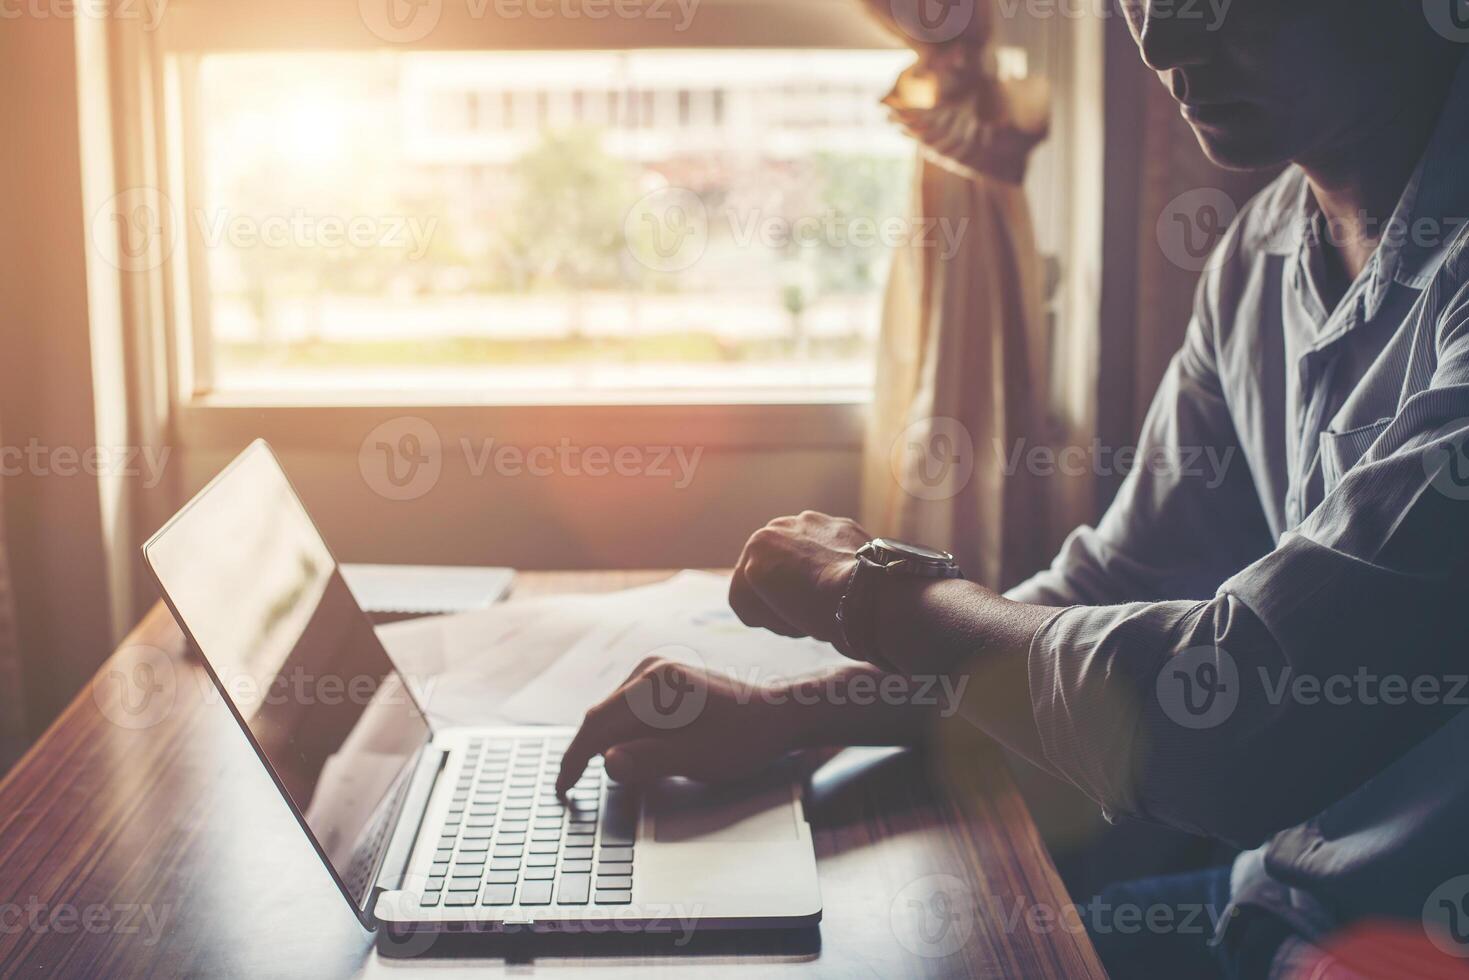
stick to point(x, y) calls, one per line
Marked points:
point(960, 391)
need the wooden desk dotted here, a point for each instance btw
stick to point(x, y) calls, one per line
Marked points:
point(166, 850)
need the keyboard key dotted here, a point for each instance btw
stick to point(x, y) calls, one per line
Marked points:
point(435, 885)
point(623, 870)
point(505, 864)
point(545, 847)
point(439, 868)
point(535, 893)
point(430, 899)
point(577, 852)
point(444, 854)
point(479, 833)
point(461, 899)
point(508, 851)
point(499, 895)
point(616, 854)
point(540, 861)
point(612, 882)
point(476, 846)
point(545, 835)
point(470, 872)
point(614, 898)
point(516, 837)
point(573, 889)
point(576, 866)
point(503, 877)
point(464, 884)
point(539, 874)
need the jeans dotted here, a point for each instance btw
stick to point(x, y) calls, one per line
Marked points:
point(1163, 927)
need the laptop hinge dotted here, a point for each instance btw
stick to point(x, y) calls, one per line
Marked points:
point(394, 868)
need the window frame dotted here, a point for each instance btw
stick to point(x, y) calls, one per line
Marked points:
point(737, 418)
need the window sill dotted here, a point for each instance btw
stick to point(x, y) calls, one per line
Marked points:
point(812, 420)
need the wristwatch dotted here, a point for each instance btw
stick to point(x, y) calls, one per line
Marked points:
point(878, 560)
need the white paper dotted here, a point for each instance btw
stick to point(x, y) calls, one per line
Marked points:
point(462, 668)
point(426, 589)
point(686, 619)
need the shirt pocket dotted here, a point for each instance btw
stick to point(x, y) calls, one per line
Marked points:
point(1340, 451)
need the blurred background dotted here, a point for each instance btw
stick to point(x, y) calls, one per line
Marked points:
point(396, 238)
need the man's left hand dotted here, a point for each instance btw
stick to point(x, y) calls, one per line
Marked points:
point(793, 572)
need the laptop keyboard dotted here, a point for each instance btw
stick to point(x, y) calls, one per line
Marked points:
point(508, 841)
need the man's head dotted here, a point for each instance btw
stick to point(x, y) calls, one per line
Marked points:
point(1265, 82)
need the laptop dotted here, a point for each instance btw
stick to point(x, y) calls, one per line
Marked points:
point(430, 829)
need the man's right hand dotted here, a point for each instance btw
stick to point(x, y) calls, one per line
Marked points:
point(673, 719)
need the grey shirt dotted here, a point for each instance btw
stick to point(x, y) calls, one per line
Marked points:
point(1270, 616)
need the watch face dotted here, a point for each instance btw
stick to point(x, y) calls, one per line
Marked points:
point(902, 549)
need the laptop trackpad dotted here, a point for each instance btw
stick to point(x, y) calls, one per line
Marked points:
point(742, 812)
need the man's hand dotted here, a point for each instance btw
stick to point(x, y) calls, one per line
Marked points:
point(792, 573)
point(672, 719)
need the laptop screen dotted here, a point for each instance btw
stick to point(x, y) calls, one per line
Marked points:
point(253, 584)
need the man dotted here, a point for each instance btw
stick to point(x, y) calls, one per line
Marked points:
point(1217, 656)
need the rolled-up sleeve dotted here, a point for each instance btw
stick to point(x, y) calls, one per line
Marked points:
point(1307, 671)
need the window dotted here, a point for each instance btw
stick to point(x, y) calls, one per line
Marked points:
point(562, 225)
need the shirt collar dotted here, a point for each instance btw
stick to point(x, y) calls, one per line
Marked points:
point(1435, 203)
point(1431, 211)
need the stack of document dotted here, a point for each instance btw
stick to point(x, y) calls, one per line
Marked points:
point(547, 660)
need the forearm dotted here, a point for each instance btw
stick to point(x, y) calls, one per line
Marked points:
point(958, 649)
point(979, 640)
point(859, 704)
